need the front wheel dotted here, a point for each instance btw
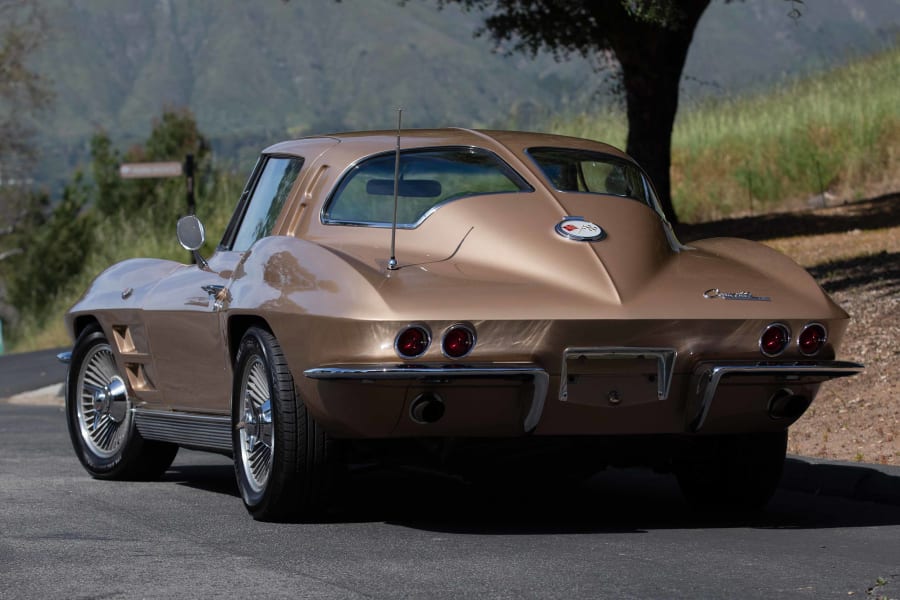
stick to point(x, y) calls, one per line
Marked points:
point(100, 420)
point(732, 473)
point(283, 460)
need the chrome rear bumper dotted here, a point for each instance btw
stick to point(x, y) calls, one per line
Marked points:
point(443, 373)
point(711, 376)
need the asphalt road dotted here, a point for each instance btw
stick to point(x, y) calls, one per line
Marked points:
point(626, 534)
point(29, 371)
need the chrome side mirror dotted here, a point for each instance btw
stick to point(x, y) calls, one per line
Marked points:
point(191, 236)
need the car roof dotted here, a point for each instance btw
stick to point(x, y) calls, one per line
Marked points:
point(356, 145)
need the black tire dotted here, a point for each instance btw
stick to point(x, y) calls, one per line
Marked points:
point(100, 420)
point(732, 474)
point(284, 461)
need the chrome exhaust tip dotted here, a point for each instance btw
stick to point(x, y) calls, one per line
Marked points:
point(785, 404)
point(427, 408)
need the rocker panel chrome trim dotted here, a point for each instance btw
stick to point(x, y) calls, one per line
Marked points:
point(423, 372)
point(185, 429)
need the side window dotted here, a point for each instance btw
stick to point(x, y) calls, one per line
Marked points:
point(616, 179)
point(585, 171)
point(272, 189)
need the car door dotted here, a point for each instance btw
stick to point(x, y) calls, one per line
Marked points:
point(182, 316)
point(186, 315)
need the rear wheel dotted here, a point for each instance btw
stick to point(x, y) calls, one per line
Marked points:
point(283, 460)
point(732, 473)
point(100, 420)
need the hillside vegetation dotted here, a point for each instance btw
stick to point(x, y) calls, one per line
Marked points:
point(824, 139)
point(838, 132)
point(252, 72)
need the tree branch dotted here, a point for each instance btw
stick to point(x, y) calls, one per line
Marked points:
point(10, 253)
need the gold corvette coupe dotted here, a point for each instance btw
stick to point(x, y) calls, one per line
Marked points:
point(479, 301)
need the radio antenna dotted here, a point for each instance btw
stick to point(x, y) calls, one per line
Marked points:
point(392, 263)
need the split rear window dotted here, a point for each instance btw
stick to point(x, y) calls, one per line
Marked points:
point(427, 179)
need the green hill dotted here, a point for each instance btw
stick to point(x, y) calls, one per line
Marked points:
point(255, 72)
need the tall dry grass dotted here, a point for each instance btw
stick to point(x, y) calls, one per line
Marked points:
point(836, 133)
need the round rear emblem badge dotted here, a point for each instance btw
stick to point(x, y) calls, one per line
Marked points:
point(576, 228)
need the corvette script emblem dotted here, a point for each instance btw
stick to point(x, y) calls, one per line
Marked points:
point(576, 228)
point(717, 293)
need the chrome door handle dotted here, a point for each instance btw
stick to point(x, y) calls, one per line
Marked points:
point(213, 290)
point(218, 294)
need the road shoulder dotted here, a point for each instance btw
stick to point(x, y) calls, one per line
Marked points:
point(51, 395)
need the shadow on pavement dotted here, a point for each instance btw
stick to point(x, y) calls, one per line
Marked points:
point(209, 478)
point(813, 495)
point(865, 483)
point(633, 500)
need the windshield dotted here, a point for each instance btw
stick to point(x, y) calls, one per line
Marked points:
point(577, 170)
point(427, 179)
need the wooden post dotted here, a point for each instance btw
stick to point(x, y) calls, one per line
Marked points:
point(189, 180)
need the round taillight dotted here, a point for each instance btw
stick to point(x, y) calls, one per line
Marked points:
point(774, 339)
point(812, 338)
point(412, 341)
point(458, 341)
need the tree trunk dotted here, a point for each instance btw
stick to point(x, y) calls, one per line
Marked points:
point(652, 59)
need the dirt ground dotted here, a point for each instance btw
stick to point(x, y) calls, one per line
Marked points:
point(853, 251)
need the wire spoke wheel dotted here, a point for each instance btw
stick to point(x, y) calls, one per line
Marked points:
point(256, 436)
point(103, 407)
point(283, 461)
point(99, 418)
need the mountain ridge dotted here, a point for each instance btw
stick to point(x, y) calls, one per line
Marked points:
point(256, 72)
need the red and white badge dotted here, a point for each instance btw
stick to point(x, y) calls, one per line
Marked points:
point(576, 228)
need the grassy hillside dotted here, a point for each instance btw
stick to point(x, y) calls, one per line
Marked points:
point(836, 134)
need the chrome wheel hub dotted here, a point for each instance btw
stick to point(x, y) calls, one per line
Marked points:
point(111, 400)
point(258, 424)
point(103, 408)
point(255, 429)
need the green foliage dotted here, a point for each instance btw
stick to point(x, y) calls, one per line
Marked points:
point(105, 161)
point(174, 136)
point(99, 223)
point(54, 252)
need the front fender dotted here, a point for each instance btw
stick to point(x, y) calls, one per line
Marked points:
point(123, 285)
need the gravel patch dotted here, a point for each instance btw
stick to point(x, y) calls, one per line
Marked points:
point(853, 251)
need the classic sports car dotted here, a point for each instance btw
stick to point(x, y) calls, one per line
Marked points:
point(476, 299)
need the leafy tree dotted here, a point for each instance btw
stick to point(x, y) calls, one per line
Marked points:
point(26, 213)
point(22, 94)
point(649, 40)
point(55, 249)
point(105, 160)
point(174, 135)
point(22, 91)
